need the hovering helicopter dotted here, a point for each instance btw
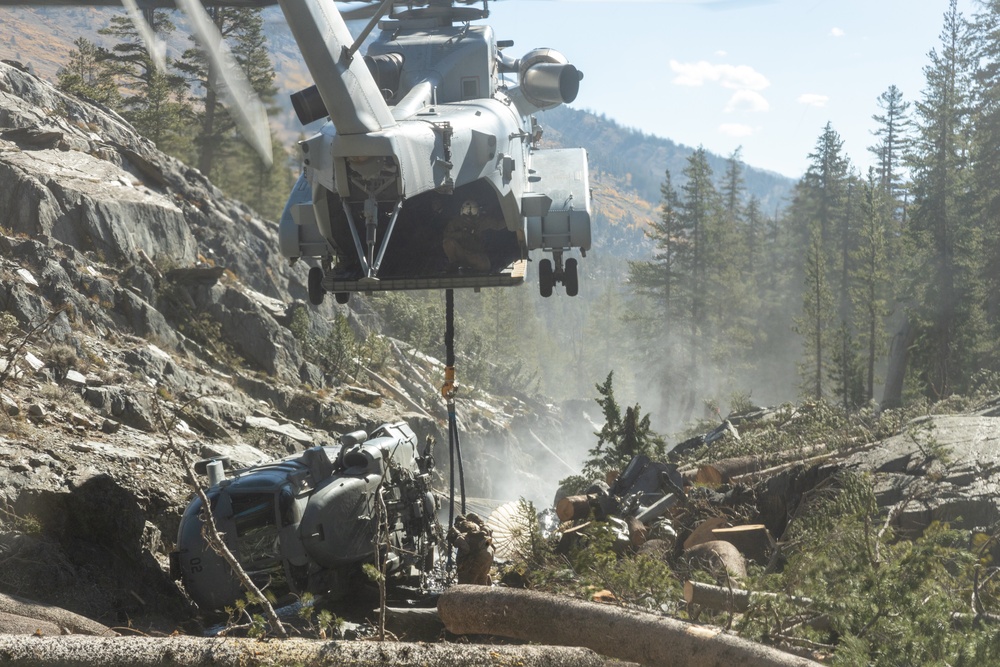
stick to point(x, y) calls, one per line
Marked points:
point(428, 173)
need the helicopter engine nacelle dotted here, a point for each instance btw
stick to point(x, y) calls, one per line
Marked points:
point(547, 79)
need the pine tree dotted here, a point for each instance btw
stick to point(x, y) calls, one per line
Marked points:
point(826, 181)
point(870, 278)
point(815, 322)
point(753, 240)
point(622, 437)
point(153, 101)
point(732, 291)
point(698, 212)
point(939, 226)
point(89, 74)
point(659, 282)
point(659, 276)
point(986, 167)
point(821, 222)
point(893, 134)
point(243, 31)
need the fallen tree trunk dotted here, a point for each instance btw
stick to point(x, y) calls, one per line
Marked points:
point(655, 641)
point(723, 470)
point(79, 651)
point(65, 620)
point(756, 476)
point(739, 601)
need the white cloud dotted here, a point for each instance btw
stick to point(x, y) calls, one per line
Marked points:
point(721, 54)
point(836, 32)
point(728, 76)
point(747, 100)
point(735, 130)
point(813, 100)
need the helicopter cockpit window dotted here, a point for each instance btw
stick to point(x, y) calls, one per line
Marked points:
point(470, 88)
point(257, 545)
point(251, 512)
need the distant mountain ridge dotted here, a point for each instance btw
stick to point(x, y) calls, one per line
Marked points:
point(639, 159)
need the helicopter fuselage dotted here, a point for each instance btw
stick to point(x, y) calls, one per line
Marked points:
point(426, 177)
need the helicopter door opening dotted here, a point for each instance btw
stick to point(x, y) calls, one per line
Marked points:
point(257, 540)
point(431, 241)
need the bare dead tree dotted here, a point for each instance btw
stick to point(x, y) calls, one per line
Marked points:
point(211, 531)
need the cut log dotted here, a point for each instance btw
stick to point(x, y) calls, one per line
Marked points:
point(738, 600)
point(78, 651)
point(648, 639)
point(717, 557)
point(574, 508)
point(753, 540)
point(724, 470)
point(703, 533)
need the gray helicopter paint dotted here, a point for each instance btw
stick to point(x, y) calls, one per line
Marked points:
point(345, 84)
point(450, 122)
point(311, 517)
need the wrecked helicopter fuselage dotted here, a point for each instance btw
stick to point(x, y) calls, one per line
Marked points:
point(309, 522)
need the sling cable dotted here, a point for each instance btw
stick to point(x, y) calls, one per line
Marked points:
point(448, 391)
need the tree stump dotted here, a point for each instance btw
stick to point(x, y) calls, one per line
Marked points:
point(753, 540)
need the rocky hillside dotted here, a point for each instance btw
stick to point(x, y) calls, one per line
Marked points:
point(135, 301)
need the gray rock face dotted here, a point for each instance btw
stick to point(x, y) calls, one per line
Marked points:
point(944, 468)
point(124, 405)
point(77, 187)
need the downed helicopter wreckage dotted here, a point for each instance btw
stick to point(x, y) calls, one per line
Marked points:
point(308, 522)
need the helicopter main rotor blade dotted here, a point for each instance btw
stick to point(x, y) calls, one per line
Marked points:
point(157, 47)
point(235, 90)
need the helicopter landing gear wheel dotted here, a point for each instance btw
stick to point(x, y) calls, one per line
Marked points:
point(546, 279)
point(316, 291)
point(342, 297)
point(570, 280)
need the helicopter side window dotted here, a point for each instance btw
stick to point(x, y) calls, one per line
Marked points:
point(470, 88)
point(251, 512)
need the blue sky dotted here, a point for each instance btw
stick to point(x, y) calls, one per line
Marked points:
point(766, 75)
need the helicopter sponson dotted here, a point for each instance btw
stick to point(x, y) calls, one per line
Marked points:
point(429, 172)
point(310, 521)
